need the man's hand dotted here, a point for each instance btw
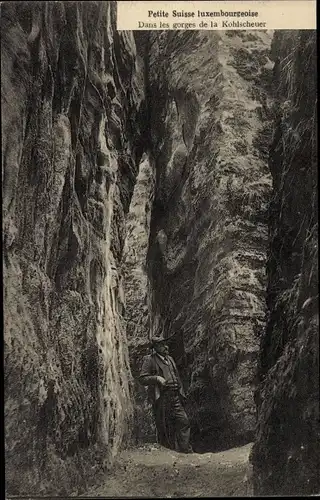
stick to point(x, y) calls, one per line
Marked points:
point(172, 385)
point(161, 380)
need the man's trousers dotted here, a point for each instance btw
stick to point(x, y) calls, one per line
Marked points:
point(173, 426)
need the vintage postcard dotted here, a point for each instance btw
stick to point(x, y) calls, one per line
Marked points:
point(160, 249)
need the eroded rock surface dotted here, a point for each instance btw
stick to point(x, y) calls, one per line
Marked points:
point(286, 454)
point(137, 292)
point(71, 102)
point(210, 133)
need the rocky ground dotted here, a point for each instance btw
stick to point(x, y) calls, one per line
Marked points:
point(153, 471)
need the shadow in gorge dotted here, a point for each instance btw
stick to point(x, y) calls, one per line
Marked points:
point(209, 434)
point(213, 442)
point(213, 436)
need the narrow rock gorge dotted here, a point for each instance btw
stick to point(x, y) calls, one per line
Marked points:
point(156, 181)
point(209, 113)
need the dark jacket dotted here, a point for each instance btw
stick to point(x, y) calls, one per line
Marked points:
point(151, 368)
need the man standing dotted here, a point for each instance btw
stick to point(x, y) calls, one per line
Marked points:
point(166, 394)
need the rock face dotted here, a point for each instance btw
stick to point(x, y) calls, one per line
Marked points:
point(134, 257)
point(72, 101)
point(286, 456)
point(137, 292)
point(210, 133)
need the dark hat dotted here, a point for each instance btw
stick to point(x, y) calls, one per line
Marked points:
point(157, 339)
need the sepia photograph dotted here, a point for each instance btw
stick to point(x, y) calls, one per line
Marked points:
point(160, 251)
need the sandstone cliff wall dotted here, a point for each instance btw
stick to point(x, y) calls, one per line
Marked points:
point(210, 133)
point(137, 293)
point(286, 455)
point(71, 106)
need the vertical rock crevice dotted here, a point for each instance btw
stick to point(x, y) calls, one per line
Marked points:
point(210, 133)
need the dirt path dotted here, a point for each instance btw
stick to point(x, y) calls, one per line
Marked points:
point(153, 471)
